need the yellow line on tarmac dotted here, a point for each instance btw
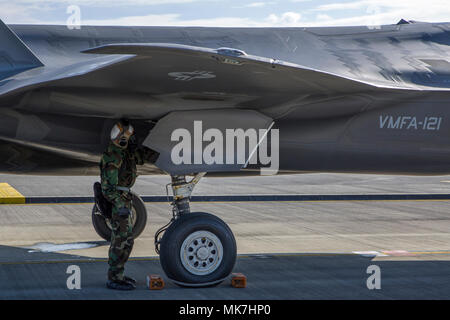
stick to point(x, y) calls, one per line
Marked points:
point(9, 195)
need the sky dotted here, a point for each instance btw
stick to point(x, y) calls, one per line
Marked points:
point(224, 13)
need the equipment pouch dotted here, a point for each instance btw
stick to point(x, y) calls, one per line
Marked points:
point(103, 205)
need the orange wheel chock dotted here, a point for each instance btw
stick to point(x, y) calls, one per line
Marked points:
point(155, 282)
point(238, 280)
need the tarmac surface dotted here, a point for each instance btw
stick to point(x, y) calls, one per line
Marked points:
point(287, 250)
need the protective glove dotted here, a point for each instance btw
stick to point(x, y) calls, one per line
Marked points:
point(150, 155)
point(133, 143)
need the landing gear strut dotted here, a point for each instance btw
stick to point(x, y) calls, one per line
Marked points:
point(196, 249)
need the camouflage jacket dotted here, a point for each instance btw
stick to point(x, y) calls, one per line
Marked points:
point(118, 168)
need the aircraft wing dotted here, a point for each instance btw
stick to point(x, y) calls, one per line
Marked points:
point(172, 68)
point(166, 68)
point(230, 67)
point(227, 69)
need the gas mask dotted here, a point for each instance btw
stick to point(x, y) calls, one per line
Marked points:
point(121, 134)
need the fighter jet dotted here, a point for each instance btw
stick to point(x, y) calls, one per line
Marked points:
point(342, 99)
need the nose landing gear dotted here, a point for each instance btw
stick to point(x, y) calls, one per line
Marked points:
point(196, 249)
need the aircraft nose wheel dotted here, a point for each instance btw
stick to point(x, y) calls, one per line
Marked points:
point(198, 249)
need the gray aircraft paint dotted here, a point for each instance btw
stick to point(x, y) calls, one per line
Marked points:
point(325, 88)
point(17, 57)
point(160, 137)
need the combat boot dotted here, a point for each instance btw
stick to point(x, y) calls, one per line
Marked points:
point(129, 280)
point(120, 285)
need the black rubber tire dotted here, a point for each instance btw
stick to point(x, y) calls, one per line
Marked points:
point(173, 239)
point(104, 231)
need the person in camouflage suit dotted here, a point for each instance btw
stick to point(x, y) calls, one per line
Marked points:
point(118, 175)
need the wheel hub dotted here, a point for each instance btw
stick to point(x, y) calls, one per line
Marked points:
point(201, 253)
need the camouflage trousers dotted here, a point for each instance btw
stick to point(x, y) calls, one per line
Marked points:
point(121, 242)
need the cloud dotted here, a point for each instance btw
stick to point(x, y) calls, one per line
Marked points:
point(380, 12)
point(104, 3)
point(342, 6)
point(356, 12)
point(287, 19)
point(175, 20)
point(13, 12)
point(256, 4)
point(31, 11)
point(323, 17)
point(409, 5)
